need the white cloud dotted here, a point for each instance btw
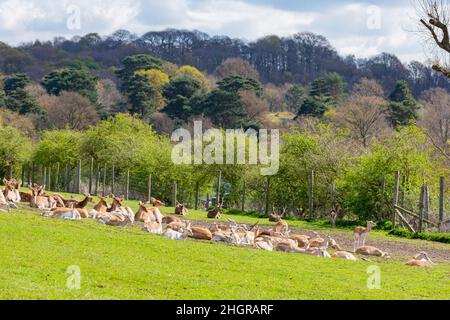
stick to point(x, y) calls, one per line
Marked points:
point(344, 23)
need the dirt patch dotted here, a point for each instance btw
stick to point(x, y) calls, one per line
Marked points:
point(399, 249)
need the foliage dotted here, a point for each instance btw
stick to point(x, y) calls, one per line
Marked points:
point(59, 146)
point(16, 97)
point(14, 149)
point(437, 237)
point(194, 73)
point(77, 80)
point(404, 108)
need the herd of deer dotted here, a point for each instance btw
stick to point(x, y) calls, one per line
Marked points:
point(279, 238)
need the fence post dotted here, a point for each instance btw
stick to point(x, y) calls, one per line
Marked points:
point(149, 189)
point(33, 170)
point(311, 195)
point(57, 178)
point(113, 181)
point(219, 182)
point(421, 209)
point(396, 190)
point(333, 189)
point(44, 176)
point(91, 172)
point(441, 202)
point(267, 195)
point(23, 173)
point(78, 188)
point(207, 201)
point(97, 179)
point(10, 172)
point(383, 192)
point(127, 192)
point(104, 181)
point(49, 179)
point(243, 196)
point(174, 195)
point(66, 178)
point(197, 191)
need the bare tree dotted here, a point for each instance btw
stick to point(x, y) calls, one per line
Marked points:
point(436, 117)
point(236, 66)
point(256, 107)
point(365, 116)
point(435, 17)
point(69, 110)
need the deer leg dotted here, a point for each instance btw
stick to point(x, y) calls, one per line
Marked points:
point(356, 242)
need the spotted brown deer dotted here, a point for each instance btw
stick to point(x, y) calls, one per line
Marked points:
point(216, 213)
point(276, 217)
point(148, 215)
point(100, 209)
point(117, 215)
point(360, 235)
point(11, 192)
point(80, 208)
point(372, 251)
point(181, 234)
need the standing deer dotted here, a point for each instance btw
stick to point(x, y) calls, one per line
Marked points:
point(333, 217)
point(360, 235)
point(216, 213)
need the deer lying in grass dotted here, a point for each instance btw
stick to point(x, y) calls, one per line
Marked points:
point(171, 219)
point(12, 193)
point(80, 208)
point(360, 235)
point(117, 215)
point(39, 201)
point(372, 251)
point(148, 215)
point(153, 227)
point(344, 255)
point(201, 234)
point(181, 234)
point(72, 214)
point(421, 260)
point(216, 213)
point(99, 209)
point(4, 205)
point(156, 203)
point(302, 240)
point(181, 210)
point(264, 243)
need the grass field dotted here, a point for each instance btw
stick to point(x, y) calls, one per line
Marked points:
point(126, 263)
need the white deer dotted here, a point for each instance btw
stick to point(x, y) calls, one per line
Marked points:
point(360, 235)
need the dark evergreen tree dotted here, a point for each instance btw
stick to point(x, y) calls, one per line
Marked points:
point(403, 108)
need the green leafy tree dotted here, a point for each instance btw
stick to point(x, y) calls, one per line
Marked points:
point(59, 146)
point(235, 84)
point(403, 108)
point(16, 97)
point(72, 80)
point(314, 107)
point(332, 86)
point(184, 96)
point(14, 149)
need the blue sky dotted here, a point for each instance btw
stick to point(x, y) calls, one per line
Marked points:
point(362, 28)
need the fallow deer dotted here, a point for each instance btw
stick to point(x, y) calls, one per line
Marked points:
point(181, 210)
point(216, 213)
point(302, 240)
point(360, 235)
point(171, 219)
point(344, 255)
point(147, 215)
point(72, 214)
point(421, 260)
point(156, 202)
point(372, 251)
point(4, 205)
point(80, 208)
point(99, 209)
point(264, 244)
point(181, 234)
point(11, 192)
point(39, 201)
point(276, 217)
point(201, 234)
point(333, 217)
point(153, 227)
point(117, 214)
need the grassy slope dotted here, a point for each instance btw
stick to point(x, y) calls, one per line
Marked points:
point(125, 263)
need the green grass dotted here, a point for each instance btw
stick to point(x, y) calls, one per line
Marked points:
point(126, 263)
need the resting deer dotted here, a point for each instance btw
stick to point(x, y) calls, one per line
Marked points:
point(171, 219)
point(153, 227)
point(148, 215)
point(117, 215)
point(99, 209)
point(421, 260)
point(216, 213)
point(11, 192)
point(181, 210)
point(372, 251)
point(360, 235)
point(4, 205)
point(201, 234)
point(156, 202)
point(316, 241)
point(80, 208)
point(264, 244)
point(344, 255)
point(181, 234)
point(72, 214)
point(275, 217)
point(39, 201)
point(302, 241)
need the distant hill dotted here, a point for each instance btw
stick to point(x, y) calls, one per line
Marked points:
point(300, 58)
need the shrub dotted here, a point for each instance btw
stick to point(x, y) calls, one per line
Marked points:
point(436, 237)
